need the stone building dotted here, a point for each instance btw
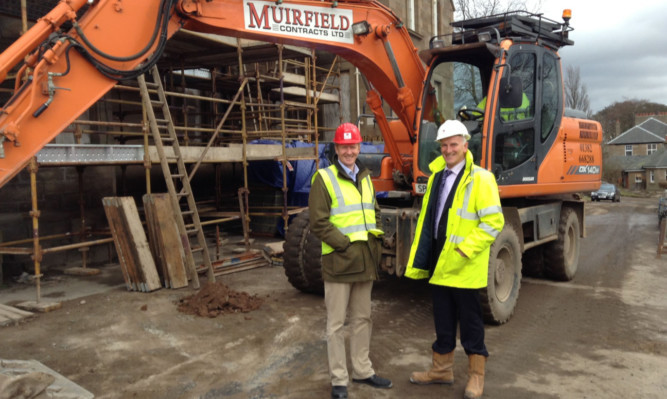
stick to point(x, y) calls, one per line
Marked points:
point(640, 154)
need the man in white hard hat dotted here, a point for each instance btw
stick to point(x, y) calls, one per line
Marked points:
point(460, 218)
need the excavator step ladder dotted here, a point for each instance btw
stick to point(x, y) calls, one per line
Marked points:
point(178, 183)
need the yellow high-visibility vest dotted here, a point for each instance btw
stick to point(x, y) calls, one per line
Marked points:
point(352, 212)
point(512, 114)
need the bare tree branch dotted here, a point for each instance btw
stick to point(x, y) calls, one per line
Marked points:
point(576, 94)
point(468, 9)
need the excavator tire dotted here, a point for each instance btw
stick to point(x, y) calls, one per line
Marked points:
point(561, 257)
point(302, 256)
point(502, 292)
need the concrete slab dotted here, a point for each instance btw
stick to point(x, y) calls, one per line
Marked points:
point(11, 315)
point(42, 307)
point(60, 388)
point(62, 287)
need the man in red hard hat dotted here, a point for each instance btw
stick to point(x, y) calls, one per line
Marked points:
point(344, 214)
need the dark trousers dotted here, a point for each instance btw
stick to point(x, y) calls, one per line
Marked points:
point(452, 306)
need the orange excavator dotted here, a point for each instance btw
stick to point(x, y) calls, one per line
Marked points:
point(501, 75)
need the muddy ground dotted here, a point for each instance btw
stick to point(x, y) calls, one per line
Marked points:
point(601, 335)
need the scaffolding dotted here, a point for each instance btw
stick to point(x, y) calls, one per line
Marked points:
point(220, 107)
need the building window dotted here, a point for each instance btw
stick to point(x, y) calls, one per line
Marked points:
point(651, 176)
point(651, 149)
point(411, 15)
point(638, 178)
point(628, 150)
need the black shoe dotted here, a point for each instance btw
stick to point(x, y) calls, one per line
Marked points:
point(376, 382)
point(339, 392)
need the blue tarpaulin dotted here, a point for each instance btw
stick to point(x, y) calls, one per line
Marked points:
point(270, 173)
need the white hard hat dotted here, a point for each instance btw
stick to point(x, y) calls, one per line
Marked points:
point(451, 128)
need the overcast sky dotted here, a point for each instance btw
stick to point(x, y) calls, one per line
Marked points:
point(619, 46)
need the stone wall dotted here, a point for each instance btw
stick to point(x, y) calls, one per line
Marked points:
point(637, 149)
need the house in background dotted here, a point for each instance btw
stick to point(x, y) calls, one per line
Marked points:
point(641, 154)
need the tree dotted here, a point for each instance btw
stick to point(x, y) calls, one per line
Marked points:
point(468, 9)
point(576, 94)
point(620, 116)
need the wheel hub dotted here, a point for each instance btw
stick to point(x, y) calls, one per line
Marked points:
point(500, 272)
point(504, 275)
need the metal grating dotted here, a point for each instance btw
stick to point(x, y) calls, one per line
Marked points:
point(87, 154)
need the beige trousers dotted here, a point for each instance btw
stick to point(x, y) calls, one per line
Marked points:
point(339, 297)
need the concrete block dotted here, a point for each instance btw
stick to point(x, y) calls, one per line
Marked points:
point(42, 307)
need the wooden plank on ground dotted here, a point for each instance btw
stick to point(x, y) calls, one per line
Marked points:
point(239, 268)
point(151, 230)
point(137, 236)
point(81, 271)
point(10, 315)
point(125, 259)
point(172, 255)
point(153, 239)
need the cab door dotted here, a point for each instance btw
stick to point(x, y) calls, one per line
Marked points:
point(520, 133)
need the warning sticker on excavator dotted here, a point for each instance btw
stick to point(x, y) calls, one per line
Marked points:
point(321, 23)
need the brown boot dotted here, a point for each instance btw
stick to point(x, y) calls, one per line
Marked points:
point(475, 386)
point(440, 373)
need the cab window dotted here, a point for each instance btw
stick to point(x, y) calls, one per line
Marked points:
point(455, 88)
point(550, 94)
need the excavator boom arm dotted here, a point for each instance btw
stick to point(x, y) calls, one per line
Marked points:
point(113, 41)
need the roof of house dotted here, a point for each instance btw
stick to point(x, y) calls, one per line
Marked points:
point(657, 160)
point(633, 163)
point(647, 132)
point(639, 163)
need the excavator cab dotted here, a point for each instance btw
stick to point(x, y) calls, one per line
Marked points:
point(501, 77)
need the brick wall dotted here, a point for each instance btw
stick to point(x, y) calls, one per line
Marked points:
point(58, 200)
point(661, 116)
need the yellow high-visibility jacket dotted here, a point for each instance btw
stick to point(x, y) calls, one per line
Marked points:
point(474, 221)
point(352, 211)
point(512, 114)
point(348, 255)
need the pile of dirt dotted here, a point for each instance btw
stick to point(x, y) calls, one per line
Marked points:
point(214, 299)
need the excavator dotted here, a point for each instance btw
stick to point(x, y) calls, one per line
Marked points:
point(501, 75)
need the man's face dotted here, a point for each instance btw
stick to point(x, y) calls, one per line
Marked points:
point(453, 149)
point(348, 153)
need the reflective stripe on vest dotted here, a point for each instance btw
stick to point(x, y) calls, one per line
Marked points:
point(352, 213)
point(464, 214)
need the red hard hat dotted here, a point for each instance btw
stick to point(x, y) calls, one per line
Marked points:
point(347, 133)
